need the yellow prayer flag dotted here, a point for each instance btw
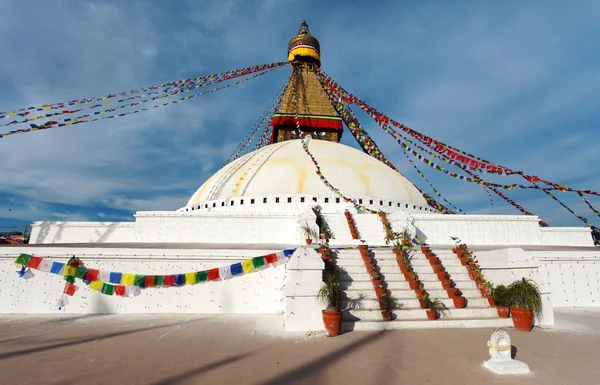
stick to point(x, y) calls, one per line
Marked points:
point(127, 279)
point(247, 265)
point(69, 270)
point(190, 278)
point(96, 285)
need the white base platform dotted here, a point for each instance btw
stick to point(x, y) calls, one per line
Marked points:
point(507, 366)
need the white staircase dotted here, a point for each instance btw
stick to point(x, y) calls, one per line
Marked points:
point(356, 284)
point(370, 228)
point(339, 226)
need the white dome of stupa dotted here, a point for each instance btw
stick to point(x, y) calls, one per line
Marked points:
point(285, 170)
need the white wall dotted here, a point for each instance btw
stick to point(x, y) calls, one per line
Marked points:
point(81, 232)
point(259, 292)
point(567, 236)
point(504, 266)
point(574, 276)
point(436, 229)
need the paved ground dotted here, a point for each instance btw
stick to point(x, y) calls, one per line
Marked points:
point(194, 349)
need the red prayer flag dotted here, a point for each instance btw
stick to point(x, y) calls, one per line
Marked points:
point(91, 275)
point(120, 290)
point(149, 282)
point(69, 289)
point(169, 280)
point(213, 274)
point(34, 262)
point(271, 258)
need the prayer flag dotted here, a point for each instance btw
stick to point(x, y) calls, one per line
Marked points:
point(247, 266)
point(115, 277)
point(34, 262)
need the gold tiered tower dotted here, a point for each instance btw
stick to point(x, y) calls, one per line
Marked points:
point(305, 96)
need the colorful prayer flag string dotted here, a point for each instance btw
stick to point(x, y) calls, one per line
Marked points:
point(125, 284)
point(367, 144)
point(469, 160)
point(82, 118)
point(139, 93)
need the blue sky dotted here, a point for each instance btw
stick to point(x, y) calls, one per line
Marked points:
point(514, 82)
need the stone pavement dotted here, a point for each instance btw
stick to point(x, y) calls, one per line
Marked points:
point(196, 349)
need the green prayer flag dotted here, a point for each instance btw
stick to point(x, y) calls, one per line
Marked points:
point(139, 280)
point(108, 289)
point(159, 280)
point(258, 262)
point(23, 259)
point(80, 272)
point(201, 276)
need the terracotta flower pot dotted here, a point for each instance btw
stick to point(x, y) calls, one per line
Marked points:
point(437, 268)
point(503, 311)
point(446, 284)
point(480, 284)
point(308, 241)
point(522, 318)
point(425, 249)
point(377, 282)
point(453, 292)
point(387, 315)
point(407, 276)
point(420, 293)
point(431, 315)
point(442, 275)
point(423, 303)
point(414, 284)
point(459, 302)
point(380, 292)
point(373, 274)
point(333, 322)
point(472, 274)
point(491, 301)
point(403, 268)
point(434, 261)
point(463, 261)
point(484, 292)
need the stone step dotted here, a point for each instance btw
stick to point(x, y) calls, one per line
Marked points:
point(417, 313)
point(410, 302)
point(467, 293)
point(369, 294)
point(427, 324)
point(367, 285)
point(359, 262)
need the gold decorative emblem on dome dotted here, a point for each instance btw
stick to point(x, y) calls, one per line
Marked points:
point(304, 46)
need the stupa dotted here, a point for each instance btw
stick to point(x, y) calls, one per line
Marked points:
point(265, 204)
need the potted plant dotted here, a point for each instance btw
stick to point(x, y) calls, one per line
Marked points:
point(424, 300)
point(309, 233)
point(330, 295)
point(525, 301)
point(460, 302)
point(425, 249)
point(486, 288)
point(453, 292)
point(380, 291)
point(377, 280)
point(414, 282)
point(420, 292)
point(387, 303)
point(499, 295)
point(436, 307)
point(446, 283)
point(442, 274)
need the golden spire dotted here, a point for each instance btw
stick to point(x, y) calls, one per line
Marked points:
point(304, 47)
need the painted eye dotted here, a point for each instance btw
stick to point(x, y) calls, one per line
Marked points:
point(297, 132)
point(319, 133)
